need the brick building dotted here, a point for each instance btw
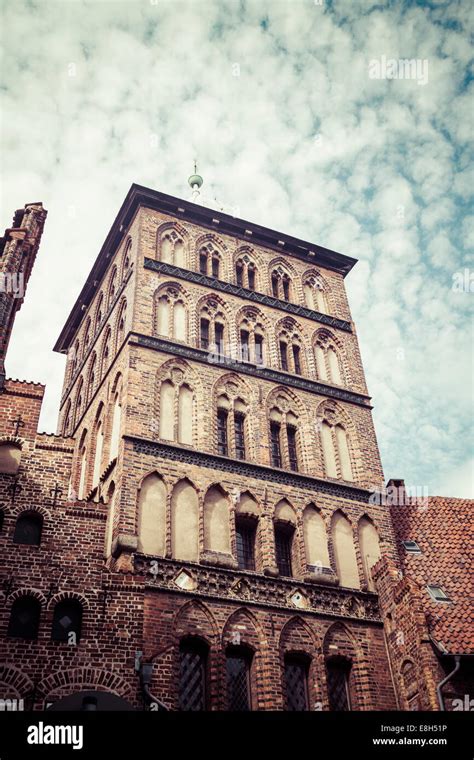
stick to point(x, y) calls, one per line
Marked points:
point(201, 531)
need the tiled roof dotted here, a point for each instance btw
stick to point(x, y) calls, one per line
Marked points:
point(443, 528)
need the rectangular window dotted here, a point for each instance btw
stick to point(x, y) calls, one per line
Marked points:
point(275, 448)
point(204, 333)
point(239, 436)
point(244, 346)
point(219, 338)
point(296, 683)
point(286, 288)
point(222, 446)
point(192, 676)
point(284, 356)
point(240, 274)
point(438, 594)
point(203, 263)
point(215, 267)
point(258, 349)
point(251, 276)
point(338, 685)
point(238, 680)
point(411, 547)
point(292, 453)
point(245, 539)
point(296, 359)
point(283, 542)
point(275, 280)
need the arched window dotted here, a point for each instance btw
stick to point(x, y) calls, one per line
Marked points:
point(315, 540)
point(109, 530)
point(116, 422)
point(126, 261)
point(28, 529)
point(213, 334)
point(74, 359)
point(247, 513)
point(79, 401)
point(216, 521)
point(170, 313)
point(369, 548)
point(315, 295)
point(106, 352)
point(121, 322)
point(99, 314)
point(246, 272)
point(290, 347)
point(335, 446)
point(328, 363)
point(67, 419)
point(24, 618)
point(238, 672)
point(185, 522)
point(283, 438)
point(99, 446)
point(91, 379)
point(284, 528)
point(344, 551)
point(67, 621)
point(231, 426)
point(192, 690)
point(152, 516)
point(296, 682)
point(171, 248)
point(282, 286)
point(337, 674)
point(82, 466)
point(251, 334)
point(87, 335)
point(210, 260)
point(176, 412)
point(112, 287)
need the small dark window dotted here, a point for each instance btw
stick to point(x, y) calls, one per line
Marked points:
point(245, 539)
point(338, 685)
point(203, 263)
point(24, 618)
point(283, 544)
point(222, 443)
point(2, 518)
point(192, 675)
point(258, 349)
point(28, 528)
point(296, 683)
point(292, 453)
point(219, 338)
point(239, 429)
point(67, 619)
point(239, 270)
point(251, 276)
point(275, 448)
point(296, 359)
point(286, 288)
point(215, 266)
point(284, 356)
point(238, 663)
point(204, 333)
point(244, 345)
point(275, 281)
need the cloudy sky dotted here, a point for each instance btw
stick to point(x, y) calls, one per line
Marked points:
point(277, 102)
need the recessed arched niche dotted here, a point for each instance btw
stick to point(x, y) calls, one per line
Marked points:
point(10, 457)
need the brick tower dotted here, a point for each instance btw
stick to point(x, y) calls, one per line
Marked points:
point(217, 401)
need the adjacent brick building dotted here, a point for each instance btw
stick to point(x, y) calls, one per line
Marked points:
point(201, 531)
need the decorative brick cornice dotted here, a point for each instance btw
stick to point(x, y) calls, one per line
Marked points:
point(250, 295)
point(258, 590)
point(246, 469)
point(247, 368)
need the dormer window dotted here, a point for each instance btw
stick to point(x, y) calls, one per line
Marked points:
point(411, 547)
point(438, 593)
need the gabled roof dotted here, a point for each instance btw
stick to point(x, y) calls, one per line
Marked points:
point(139, 196)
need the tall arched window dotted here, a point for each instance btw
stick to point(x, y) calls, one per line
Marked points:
point(213, 333)
point(247, 513)
point(116, 411)
point(284, 528)
point(91, 378)
point(67, 419)
point(152, 516)
point(67, 621)
point(369, 548)
point(210, 260)
point(99, 313)
point(282, 287)
point(176, 411)
point(170, 313)
point(315, 295)
point(251, 334)
point(192, 689)
point(74, 358)
point(231, 426)
point(87, 336)
point(327, 357)
point(28, 529)
point(82, 466)
point(185, 522)
point(246, 272)
point(344, 551)
point(238, 671)
point(315, 540)
point(290, 347)
point(284, 443)
point(335, 446)
point(106, 352)
point(24, 618)
point(126, 260)
point(171, 248)
point(112, 287)
point(79, 401)
point(216, 521)
point(121, 322)
point(99, 446)
point(337, 676)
